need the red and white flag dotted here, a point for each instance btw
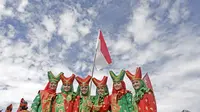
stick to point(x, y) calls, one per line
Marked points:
point(103, 58)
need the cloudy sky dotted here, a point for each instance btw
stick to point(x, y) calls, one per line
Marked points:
point(161, 36)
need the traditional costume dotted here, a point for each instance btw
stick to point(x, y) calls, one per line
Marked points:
point(43, 101)
point(65, 100)
point(144, 96)
point(101, 101)
point(83, 102)
point(23, 106)
point(9, 108)
point(121, 100)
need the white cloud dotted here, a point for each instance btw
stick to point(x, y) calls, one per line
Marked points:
point(39, 37)
point(22, 5)
point(175, 78)
point(178, 12)
point(11, 32)
point(67, 21)
point(4, 11)
point(174, 13)
point(49, 24)
point(72, 26)
point(84, 27)
point(142, 27)
point(122, 46)
point(91, 11)
point(15, 76)
point(80, 66)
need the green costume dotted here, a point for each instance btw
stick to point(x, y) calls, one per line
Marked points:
point(43, 101)
point(144, 96)
point(121, 99)
point(101, 102)
point(65, 100)
point(83, 102)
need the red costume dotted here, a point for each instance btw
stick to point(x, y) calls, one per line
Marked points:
point(144, 96)
point(43, 101)
point(81, 101)
point(65, 100)
point(101, 100)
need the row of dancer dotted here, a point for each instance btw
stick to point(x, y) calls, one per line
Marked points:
point(120, 100)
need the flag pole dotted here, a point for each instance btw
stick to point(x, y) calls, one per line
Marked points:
point(93, 65)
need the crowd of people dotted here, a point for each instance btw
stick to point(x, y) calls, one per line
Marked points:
point(120, 100)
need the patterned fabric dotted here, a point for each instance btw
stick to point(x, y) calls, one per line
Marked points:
point(122, 104)
point(141, 91)
point(145, 99)
point(36, 105)
point(43, 102)
point(147, 103)
point(101, 101)
point(121, 100)
point(64, 102)
point(81, 104)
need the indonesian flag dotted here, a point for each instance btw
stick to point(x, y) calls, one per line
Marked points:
point(103, 58)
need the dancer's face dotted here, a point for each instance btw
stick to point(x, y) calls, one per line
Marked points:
point(67, 87)
point(84, 89)
point(101, 90)
point(136, 84)
point(117, 85)
point(53, 85)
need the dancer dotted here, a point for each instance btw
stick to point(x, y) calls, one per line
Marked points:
point(101, 100)
point(65, 100)
point(43, 101)
point(83, 102)
point(121, 99)
point(144, 96)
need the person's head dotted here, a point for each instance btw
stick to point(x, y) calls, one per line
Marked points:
point(53, 85)
point(53, 80)
point(23, 105)
point(84, 89)
point(136, 84)
point(67, 83)
point(135, 79)
point(102, 88)
point(84, 84)
point(118, 83)
point(67, 87)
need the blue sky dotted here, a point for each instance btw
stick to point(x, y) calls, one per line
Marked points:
point(161, 36)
